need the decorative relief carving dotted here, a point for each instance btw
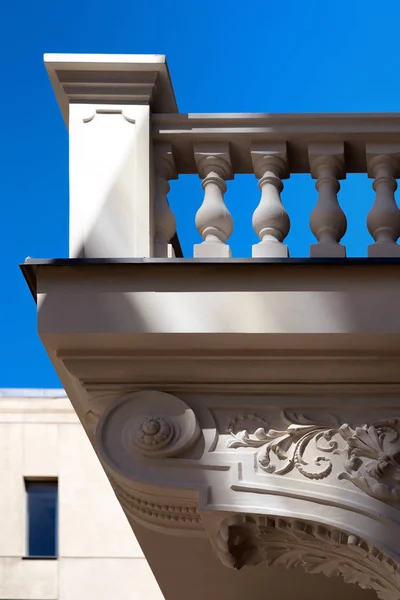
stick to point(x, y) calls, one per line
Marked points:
point(289, 446)
point(96, 406)
point(148, 423)
point(372, 459)
point(90, 421)
point(249, 540)
point(154, 431)
point(243, 417)
point(151, 511)
point(370, 455)
point(108, 111)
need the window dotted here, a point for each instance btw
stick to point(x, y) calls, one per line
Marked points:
point(42, 501)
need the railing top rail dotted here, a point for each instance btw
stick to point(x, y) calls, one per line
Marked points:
point(367, 121)
point(297, 130)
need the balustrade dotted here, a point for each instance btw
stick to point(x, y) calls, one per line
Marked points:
point(272, 147)
point(128, 140)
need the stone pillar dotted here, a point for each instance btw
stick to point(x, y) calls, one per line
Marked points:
point(106, 102)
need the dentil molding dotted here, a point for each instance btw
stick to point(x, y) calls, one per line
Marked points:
point(158, 515)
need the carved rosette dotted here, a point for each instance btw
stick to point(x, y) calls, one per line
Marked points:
point(367, 456)
point(153, 432)
point(147, 424)
point(245, 540)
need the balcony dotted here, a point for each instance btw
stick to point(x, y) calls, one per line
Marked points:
point(245, 410)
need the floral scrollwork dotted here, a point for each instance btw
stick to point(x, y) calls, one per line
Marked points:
point(283, 451)
point(370, 454)
point(372, 459)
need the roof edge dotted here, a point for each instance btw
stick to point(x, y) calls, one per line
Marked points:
point(33, 393)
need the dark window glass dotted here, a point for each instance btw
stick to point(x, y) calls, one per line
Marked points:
point(42, 517)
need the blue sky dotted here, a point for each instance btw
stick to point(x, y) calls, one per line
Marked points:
point(224, 56)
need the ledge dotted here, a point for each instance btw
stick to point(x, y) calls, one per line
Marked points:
point(39, 557)
point(297, 131)
point(30, 266)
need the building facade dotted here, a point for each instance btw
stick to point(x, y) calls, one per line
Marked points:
point(85, 548)
point(245, 411)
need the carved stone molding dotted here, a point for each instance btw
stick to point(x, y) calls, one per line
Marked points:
point(157, 515)
point(94, 407)
point(369, 455)
point(109, 111)
point(251, 539)
point(147, 424)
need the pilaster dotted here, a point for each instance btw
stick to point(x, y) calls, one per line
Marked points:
point(106, 102)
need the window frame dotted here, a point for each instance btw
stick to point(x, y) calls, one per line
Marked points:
point(40, 480)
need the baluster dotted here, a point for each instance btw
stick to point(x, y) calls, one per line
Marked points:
point(327, 221)
point(270, 220)
point(213, 220)
point(164, 220)
point(383, 220)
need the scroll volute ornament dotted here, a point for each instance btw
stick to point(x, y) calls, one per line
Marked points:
point(147, 424)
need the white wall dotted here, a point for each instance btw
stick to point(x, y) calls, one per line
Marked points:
point(99, 557)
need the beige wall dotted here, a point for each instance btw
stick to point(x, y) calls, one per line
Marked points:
point(99, 556)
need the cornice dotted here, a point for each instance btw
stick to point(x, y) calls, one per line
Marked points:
point(254, 372)
point(297, 131)
point(114, 79)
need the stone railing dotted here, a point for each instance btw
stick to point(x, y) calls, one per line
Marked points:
point(127, 141)
point(272, 147)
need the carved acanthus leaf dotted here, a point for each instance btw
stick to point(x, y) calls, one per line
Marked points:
point(372, 459)
point(245, 540)
point(282, 451)
point(369, 455)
